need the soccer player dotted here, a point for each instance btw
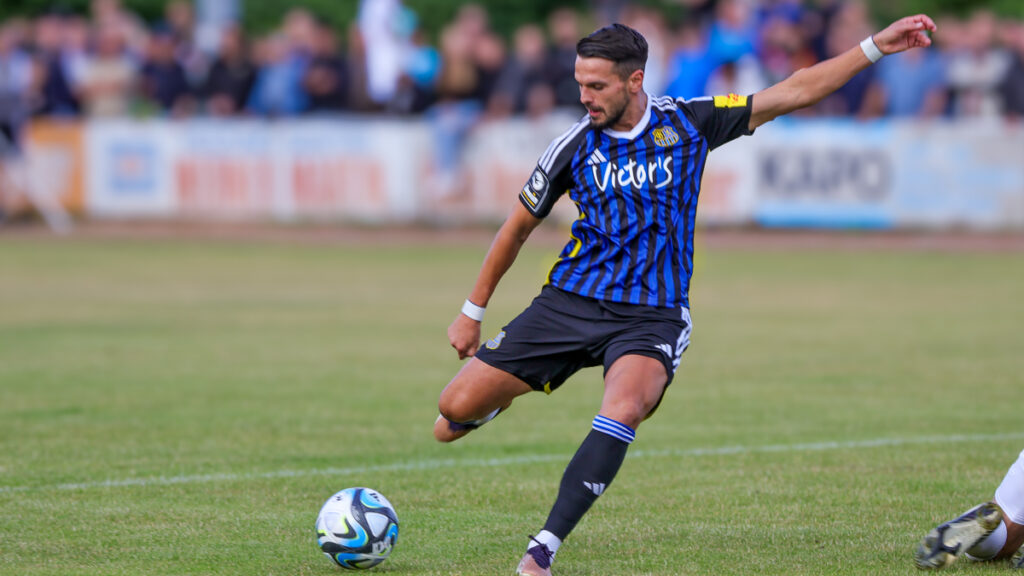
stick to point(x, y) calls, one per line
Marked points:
point(989, 531)
point(618, 294)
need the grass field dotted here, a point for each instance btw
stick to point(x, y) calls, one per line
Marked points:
point(173, 407)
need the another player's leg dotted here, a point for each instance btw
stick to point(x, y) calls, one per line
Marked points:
point(989, 531)
point(474, 397)
point(1014, 541)
point(1010, 496)
point(947, 541)
point(633, 387)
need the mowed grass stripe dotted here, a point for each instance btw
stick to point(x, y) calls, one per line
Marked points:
point(509, 461)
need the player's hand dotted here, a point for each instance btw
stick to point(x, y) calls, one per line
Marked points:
point(904, 34)
point(464, 335)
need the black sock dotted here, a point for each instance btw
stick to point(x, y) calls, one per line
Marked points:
point(588, 474)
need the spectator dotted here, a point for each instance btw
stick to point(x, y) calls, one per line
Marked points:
point(359, 93)
point(471, 60)
point(1011, 89)
point(181, 21)
point(523, 72)
point(109, 76)
point(652, 26)
point(733, 32)
point(740, 76)
point(55, 94)
point(385, 47)
point(976, 69)
point(784, 48)
point(849, 25)
point(15, 82)
point(326, 79)
point(76, 37)
point(692, 63)
point(231, 77)
point(278, 90)
point(111, 15)
point(162, 77)
point(909, 84)
point(564, 29)
point(417, 86)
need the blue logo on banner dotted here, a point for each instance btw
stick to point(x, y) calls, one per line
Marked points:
point(132, 168)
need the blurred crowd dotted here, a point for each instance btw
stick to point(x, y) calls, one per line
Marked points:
point(110, 62)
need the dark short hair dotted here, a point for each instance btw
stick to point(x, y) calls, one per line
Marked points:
point(624, 46)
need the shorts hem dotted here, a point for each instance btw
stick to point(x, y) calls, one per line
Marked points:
point(532, 383)
point(665, 362)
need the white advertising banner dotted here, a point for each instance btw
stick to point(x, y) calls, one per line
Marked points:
point(129, 169)
point(254, 170)
point(792, 173)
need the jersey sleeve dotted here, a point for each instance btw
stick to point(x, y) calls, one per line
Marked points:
point(553, 174)
point(720, 119)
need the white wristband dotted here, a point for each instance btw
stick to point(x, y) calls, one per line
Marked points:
point(473, 311)
point(871, 49)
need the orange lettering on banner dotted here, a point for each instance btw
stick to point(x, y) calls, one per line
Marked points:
point(338, 187)
point(229, 187)
point(717, 194)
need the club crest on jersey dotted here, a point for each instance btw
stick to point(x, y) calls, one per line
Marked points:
point(665, 136)
point(493, 343)
point(535, 187)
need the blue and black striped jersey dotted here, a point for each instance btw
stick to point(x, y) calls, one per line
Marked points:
point(637, 195)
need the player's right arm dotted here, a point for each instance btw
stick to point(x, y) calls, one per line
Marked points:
point(808, 86)
point(464, 332)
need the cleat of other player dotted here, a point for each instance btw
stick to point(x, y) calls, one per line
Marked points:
point(949, 540)
point(1017, 561)
point(536, 561)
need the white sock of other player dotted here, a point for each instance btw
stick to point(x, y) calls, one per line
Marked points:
point(1010, 494)
point(990, 546)
point(1010, 497)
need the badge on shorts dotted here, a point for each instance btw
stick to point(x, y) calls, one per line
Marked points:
point(493, 343)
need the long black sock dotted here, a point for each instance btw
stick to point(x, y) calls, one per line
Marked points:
point(589, 474)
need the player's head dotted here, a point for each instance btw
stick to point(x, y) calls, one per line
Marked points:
point(610, 69)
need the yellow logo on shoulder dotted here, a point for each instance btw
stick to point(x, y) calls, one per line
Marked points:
point(730, 101)
point(665, 136)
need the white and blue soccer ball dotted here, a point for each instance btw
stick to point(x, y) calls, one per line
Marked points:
point(357, 528)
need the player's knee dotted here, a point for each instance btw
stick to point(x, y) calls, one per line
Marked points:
point(457, 406)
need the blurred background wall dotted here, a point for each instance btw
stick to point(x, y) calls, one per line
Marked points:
point(397, 111)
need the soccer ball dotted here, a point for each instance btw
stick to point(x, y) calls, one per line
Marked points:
point(357, 528)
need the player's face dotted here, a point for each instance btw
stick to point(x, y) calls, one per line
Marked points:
point(602, 91)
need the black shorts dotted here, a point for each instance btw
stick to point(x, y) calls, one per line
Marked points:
point(561, 332)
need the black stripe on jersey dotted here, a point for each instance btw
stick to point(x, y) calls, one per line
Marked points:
point(669, 271)
point(613, 205)
point(695, 154)
point(580, 227)
point(626, 202)
point(647, 235)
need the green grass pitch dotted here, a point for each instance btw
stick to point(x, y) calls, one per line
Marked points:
point(174, 407)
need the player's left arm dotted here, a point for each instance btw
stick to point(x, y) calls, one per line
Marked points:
point(809, 85)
